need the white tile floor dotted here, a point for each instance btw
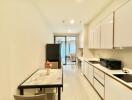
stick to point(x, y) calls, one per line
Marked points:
point(76, 87)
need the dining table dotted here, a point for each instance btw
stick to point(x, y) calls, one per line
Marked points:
point(43, 78)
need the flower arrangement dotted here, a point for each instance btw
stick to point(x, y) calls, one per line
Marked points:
point(48, 65)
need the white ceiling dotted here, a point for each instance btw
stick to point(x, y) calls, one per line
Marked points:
point(58, 13)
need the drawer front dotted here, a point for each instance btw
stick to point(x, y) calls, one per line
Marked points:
point(85, 68)
point(82, 67)
point(100, 79)
point(91, 74)
point(87, 72)
point(99, 73)
point(99, 88)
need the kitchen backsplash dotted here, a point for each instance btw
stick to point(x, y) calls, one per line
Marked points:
point(125, 55)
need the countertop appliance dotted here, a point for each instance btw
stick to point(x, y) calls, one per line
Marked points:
point(110, 63)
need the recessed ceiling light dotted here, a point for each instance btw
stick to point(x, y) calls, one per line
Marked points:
point(72, 21)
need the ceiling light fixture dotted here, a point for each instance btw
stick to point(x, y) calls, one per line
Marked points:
point(72, 21)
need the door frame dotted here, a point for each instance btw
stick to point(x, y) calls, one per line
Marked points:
point(65, 36)
point(65, 45)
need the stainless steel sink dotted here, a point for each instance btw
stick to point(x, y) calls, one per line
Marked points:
point(124, 77)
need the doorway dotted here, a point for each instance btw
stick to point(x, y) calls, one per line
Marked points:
point(68, 48)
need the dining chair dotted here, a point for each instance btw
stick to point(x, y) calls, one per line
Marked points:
point(51, 96)
point(30, 97)
point(54, 65)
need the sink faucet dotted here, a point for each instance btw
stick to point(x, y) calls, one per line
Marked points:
point(125, 70)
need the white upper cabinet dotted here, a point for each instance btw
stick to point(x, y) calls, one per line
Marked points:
point(101, 36)
point(97, 36)
point(94, 37)
point(91, 39)
point(123, 26)
point(81, 40)
point(107, 32)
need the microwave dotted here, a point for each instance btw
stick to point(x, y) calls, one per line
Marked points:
point(110, 63)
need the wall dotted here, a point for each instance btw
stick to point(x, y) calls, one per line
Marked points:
point(123, 54)
point(79, 52)
point(24, 33)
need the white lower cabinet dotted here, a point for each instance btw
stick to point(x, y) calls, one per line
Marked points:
point(87, 70)
point(89, 73)
point(114, 90)
point(107, 87)
point(90, 78)
point(99, 87)
point(83, 67)
point(99, 75)
point(99, 82)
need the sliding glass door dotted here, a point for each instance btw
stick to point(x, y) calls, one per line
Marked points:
point(68, 48)
point(62, 41)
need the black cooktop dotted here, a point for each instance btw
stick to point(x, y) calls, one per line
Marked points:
point(124, 77)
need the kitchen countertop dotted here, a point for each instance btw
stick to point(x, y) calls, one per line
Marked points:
point(80, 58)
point(111, 72)
point(86, 59)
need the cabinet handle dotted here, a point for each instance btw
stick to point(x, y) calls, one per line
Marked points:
point(98, 81)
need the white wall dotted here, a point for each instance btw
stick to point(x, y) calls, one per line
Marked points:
point(23, 35)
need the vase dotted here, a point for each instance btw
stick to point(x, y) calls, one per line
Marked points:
point(48, 71)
